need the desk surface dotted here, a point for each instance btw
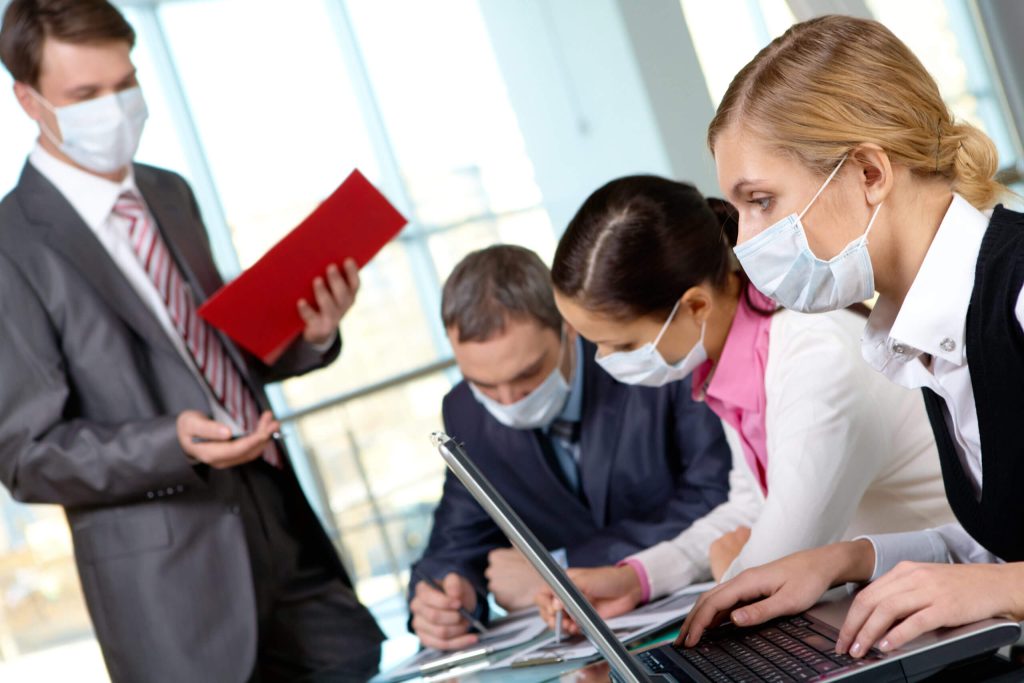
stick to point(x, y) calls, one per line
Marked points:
point(565, 672)
point(995, 669)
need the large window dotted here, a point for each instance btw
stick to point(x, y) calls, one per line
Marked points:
point(280, 128)
point(265, 106)
point(942, 33)
point(265, 124)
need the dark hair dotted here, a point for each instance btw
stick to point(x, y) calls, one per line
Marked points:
point(28, 23)
point(638, 243)
point(494, 285)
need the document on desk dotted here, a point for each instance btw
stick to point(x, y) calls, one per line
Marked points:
point(628, 628)
point(510, 632)
point(258, 308)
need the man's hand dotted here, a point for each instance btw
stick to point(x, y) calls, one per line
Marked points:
point(435, 615)
point(219, 451)
point(334, 297)
point(725, 550)
point(786, 586)
point(917, 597)
point(611, 590)
point(512, 579)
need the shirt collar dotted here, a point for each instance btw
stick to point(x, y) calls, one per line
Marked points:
point(91, 196)
point(573, 410)
point(734, 373)
point(933, 316)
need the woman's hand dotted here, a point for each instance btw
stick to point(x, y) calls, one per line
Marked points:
point(786, 586)
point(724, 551)
point(915, 598)
point(611, 590)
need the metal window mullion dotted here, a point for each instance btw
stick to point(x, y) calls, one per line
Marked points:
point(152, 31)
point(423, 269)
point(982, 80)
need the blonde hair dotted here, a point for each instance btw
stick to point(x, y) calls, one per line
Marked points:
point(834, 82)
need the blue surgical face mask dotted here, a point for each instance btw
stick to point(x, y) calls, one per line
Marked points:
point(646, 366)
point(535, 410)
point(782, 266)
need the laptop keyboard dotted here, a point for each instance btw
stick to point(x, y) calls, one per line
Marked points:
point(789, 649)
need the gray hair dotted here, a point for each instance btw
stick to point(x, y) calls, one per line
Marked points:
point(494, 285)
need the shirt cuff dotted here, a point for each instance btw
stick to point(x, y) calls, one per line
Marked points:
point(914, 546)
point(641, 575)
point(326, 346)
point(668, 569)
point(561, 556)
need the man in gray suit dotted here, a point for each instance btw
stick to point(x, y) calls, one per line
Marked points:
point(199, 556)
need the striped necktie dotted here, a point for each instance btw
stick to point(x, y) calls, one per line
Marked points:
point(203, 344)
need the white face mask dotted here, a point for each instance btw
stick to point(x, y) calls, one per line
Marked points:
point(102, 134)
point(781, 264)
point(537, 409)
point(646, 366)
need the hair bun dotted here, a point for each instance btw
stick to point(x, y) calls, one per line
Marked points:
point(727, 218)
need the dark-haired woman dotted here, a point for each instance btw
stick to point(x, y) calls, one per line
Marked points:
point(830, 449)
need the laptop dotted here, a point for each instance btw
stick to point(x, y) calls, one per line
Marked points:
point(797, 648)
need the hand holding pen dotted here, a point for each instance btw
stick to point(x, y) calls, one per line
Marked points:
point(442, 612)
point(212, 442)
point(473, 621)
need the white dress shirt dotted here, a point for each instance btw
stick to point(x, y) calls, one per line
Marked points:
point(898, 342)
point(94, 198)
point(848, 452)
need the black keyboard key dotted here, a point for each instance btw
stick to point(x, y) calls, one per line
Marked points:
point(651, 662)
point(704, 665)
point(824, 666)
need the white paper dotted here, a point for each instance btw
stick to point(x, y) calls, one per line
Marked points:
point(629, 627)
point(512, 631)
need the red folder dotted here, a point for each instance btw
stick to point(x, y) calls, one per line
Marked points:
point(258, 309)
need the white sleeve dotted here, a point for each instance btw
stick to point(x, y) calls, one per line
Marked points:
point(947, 543)
point(675, 564)
point(1020, 309)
point(826, 443)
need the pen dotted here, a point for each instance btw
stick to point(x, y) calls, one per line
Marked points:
point(462, 610)
point(276, 436)
point(558, 626)
point(536, 661)
point(453, 659)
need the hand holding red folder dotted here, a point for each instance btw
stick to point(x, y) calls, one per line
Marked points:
point(258, 310)
point(335, 294)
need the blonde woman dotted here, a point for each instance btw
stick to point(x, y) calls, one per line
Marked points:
point(838, 118)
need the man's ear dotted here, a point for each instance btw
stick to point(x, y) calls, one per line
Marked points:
point(29, 103)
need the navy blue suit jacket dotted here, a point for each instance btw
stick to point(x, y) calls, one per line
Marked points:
point(652, 462)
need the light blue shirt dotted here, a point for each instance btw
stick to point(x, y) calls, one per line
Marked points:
point(569, 454)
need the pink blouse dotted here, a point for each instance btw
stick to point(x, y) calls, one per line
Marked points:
point(736, 391)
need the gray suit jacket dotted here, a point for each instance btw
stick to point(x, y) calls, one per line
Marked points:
point(90, 387)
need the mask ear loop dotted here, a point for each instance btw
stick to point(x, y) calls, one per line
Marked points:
point(664, 328)
point(872, 221)
point(51, 136)
point(562, 350)
point(823, 186)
